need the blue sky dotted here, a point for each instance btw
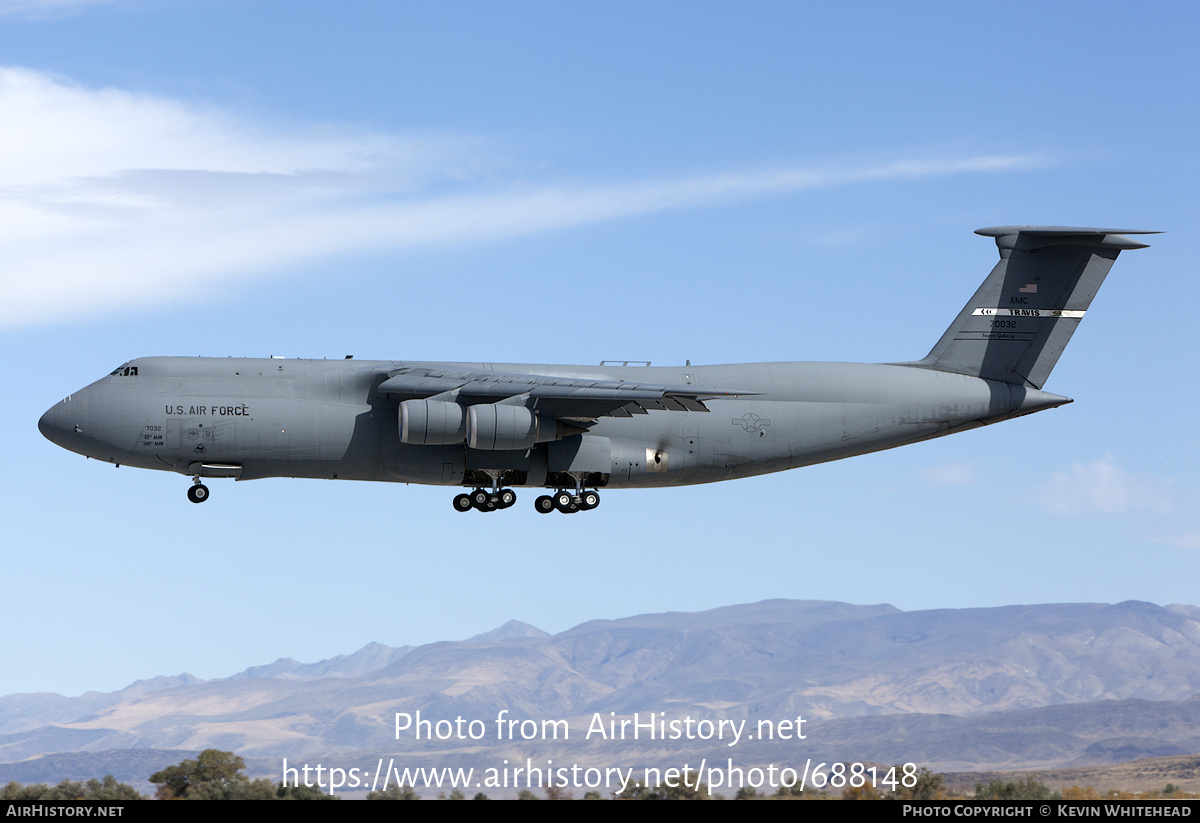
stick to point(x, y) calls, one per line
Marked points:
point(570, 182)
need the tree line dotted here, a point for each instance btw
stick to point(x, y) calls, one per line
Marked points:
point(217, 775)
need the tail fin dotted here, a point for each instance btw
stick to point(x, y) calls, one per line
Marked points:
point(1022, 317)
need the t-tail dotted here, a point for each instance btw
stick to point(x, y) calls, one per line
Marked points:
point(1022, 317)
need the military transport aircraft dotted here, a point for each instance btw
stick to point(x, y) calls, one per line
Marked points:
point(574, 429)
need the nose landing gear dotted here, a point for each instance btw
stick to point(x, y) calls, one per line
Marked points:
point(198, 493)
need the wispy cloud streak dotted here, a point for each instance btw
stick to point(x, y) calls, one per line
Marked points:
point(1103, 486)
point(105, 194)
point(1182, 540)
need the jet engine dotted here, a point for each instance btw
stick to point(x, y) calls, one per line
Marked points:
point(431, 423)
point(497, 427)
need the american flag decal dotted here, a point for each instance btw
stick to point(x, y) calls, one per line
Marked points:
point(1028, 288)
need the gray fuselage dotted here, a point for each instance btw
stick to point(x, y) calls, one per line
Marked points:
point(489, 425)
point(255, 418)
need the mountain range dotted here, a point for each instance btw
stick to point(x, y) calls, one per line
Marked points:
point(1006, 687)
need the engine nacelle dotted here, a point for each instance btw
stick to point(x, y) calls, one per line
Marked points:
point(431, 423)
point(497, 427)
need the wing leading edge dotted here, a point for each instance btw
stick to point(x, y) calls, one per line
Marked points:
point(564, 397)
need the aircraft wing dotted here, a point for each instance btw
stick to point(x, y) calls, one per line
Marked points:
point(562, 397)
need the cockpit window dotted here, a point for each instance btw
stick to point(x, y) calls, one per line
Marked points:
point(124, 371)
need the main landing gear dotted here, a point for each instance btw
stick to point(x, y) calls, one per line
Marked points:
point(485, 501)
point(562, 500)
point(198, 493)
point(566, 502)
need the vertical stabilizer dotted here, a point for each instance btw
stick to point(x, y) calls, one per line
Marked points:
point(1022, 317)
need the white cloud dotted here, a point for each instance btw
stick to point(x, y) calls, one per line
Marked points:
point(1185, 540)
point(107, 196)
point(61, 135)
point(1102, 486)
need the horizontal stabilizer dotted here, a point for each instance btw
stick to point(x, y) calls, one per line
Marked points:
point(1031, 237)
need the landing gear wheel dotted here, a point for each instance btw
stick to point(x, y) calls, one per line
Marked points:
point(198, 493)
point(563, 501)
point(481, 500)
point(462, 503)
point(505, 498)
point(589, 500)
point(544, 504)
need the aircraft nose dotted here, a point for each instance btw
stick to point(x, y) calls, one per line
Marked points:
point(58, 424)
